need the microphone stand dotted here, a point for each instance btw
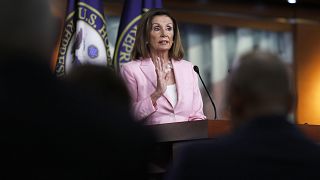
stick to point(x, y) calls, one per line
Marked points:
point(196, 69)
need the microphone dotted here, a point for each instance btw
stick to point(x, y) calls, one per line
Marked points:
point(196, 69)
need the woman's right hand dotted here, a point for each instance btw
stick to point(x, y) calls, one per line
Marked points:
point(162, 77)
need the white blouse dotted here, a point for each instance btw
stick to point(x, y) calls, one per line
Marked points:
point(171, 93)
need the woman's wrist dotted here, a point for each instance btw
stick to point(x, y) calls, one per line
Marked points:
point(154, 97)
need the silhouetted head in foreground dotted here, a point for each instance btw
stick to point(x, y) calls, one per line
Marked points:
point(49, 130)
point(27, 27)
point(102, 82)
point(259, 85)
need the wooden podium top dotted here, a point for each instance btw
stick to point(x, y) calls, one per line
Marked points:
point(203, 129)
point(191, 130)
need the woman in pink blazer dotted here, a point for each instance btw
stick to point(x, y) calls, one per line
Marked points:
point(163, 86)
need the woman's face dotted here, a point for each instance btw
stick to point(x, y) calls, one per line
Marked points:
point(161, 34)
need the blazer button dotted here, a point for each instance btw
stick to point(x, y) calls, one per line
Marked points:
point(172, 115)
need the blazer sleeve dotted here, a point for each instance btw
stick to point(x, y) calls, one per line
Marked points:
point(197, 108)
point(142, 108)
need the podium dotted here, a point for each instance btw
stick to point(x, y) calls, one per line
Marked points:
point(204, 129)
point(191, 130)
point(172, 136)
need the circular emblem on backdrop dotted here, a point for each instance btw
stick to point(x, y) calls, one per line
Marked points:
point(93, 51)
point(84, 25)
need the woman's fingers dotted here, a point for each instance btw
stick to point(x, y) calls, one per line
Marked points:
point(156, 63)
point(159, 64)
point(162, 62)
point(161, 71)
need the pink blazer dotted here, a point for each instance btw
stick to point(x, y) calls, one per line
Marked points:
point(141, 80)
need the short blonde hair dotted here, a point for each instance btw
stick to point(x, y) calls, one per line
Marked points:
point(141, 48)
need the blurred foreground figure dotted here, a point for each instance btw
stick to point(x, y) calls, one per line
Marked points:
point(103, 83)
point(264, 144)
point(49, 130)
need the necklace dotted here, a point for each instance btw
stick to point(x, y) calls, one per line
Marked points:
point(169, 66)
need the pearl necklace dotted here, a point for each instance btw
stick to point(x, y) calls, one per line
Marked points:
point(169, 66)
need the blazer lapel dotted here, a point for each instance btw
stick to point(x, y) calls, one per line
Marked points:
point(148, 70)
point(178, 75)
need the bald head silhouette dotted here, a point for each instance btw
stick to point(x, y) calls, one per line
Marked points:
point(258, 85)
